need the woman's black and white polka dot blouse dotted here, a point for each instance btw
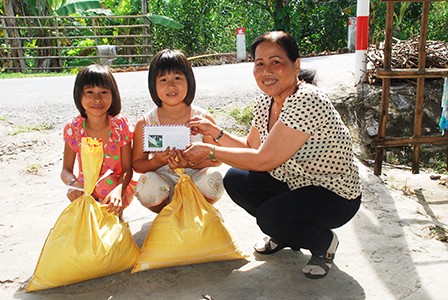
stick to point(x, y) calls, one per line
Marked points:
point(326, 159)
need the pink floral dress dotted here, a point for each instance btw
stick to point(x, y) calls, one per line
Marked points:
point(120, 134)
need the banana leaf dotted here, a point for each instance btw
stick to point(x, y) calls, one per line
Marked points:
point(164, 21)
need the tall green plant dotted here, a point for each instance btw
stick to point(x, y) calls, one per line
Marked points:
point(52, 8)
point(133, 7)
point(59, 7)
point(438, 21)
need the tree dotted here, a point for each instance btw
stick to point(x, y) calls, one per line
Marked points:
point(279, 10)
point(13, 35)
point(59, 7)
point(37, 8)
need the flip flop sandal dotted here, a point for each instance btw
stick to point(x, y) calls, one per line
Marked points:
point(269, 246)
point(317, 267)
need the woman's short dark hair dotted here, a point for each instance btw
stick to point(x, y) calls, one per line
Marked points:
point(281, 38)
point(287, 43)
point(101, 76)
point(167, 61)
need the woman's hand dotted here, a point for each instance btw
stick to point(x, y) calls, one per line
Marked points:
point(179, 161)
point(196, 153)
point(203, 126)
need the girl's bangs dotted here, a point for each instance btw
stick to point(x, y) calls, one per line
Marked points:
point(170, 64)
point(98, 79)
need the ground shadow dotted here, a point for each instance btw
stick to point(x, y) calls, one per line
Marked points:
point(379, 230)
point(139, 236)
point(235, 279)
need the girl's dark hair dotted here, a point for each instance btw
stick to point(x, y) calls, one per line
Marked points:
point(287, 43)
point(101, 76)
point(167, 61)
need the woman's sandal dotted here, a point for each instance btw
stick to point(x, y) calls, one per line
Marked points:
point(318, 266)
point(269, 246)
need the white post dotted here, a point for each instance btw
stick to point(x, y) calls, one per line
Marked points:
point(240, 44)
point(362, 39)
point(351, 41)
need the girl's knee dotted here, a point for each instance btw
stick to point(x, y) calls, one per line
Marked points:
point(210, 184)
point(152, 189)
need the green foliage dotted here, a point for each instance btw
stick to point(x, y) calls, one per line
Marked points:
point(40, 127)
point(434, 160)
point(31, 75)
point(164, 21)
point(321, 25)
point(121, 61)
point(438, 21)
point(243, 116)
point(407, 20)
point(82, 43)
point(58, 7)
point(439, 233)
point(80, 62)
point(431, 158)
point(124, 7)
point(208, 26)
point(66, 8)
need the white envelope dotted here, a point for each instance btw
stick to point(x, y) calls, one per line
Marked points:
point(159, 137)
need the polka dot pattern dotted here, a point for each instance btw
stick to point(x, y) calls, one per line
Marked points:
point(326, 159)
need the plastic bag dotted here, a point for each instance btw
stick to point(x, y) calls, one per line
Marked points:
point(92, 159)
point(189, 230)
point(87, 241)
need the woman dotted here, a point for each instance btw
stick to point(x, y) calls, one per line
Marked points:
point(295, 171)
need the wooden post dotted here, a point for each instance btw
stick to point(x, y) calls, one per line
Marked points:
point(146, 30)
point(58, 41)
point(421, 73)
point(385, 96)
point(420, 88)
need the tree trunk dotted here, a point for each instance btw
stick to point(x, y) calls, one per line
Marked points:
point(13, 37)
point(146, 31)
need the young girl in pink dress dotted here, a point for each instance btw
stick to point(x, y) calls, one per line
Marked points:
point(98, 100)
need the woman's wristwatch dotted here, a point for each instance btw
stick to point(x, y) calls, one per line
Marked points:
point(219, 136)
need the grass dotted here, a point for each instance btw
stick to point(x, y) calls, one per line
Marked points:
point(432, 158)
point(33, 169)
point(31, 75)
point(243, 116)
point(439, 233)
point(22, 129)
